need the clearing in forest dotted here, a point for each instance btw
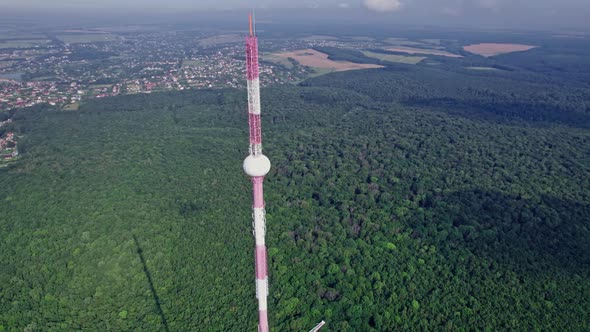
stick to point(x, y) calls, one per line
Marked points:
point(277, 59)
point(412, 60)
point(313, 58)
point(491, 49)
point(411, 50)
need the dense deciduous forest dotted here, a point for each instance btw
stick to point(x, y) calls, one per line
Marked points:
point(404, 198)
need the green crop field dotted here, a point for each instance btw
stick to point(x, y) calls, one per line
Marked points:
point(412, 60)
point(277, 59)
point(317, 71)
point(481, 68)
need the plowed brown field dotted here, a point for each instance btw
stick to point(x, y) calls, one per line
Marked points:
point(491, 49)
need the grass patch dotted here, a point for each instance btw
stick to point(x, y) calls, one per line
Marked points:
point(482, 68)
point(71, 107)
point(412, 60)
point(44, 78)
point(100, 86)
point(315, 59)
point(276, 59)
point(431, 41)
point(317, 71)
point(423, 51)
point(403, 41)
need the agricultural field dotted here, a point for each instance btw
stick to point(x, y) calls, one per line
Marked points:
point(492, 49)
point(402, 41)
point(482, 68)
point(277, 59)
point(412, 60)
point(87, 38)
point(321, 71)
point(411, 50)
point(315, 59)
point(431, 41)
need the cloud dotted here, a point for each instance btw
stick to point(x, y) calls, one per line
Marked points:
point(383, 5)
point(344, 5)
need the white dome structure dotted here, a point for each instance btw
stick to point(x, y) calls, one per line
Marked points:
point(256, 165)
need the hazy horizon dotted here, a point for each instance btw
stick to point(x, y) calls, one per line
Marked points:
point(523, 14)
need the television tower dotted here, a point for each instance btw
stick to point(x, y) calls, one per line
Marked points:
point(257, 165)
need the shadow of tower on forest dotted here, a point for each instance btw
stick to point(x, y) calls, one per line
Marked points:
point(151, 284)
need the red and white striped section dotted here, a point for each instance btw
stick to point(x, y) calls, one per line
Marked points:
point(257, 165)
point(260, 254)
point(253, 95)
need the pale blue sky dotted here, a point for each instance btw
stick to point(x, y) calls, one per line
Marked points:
point(551, 12)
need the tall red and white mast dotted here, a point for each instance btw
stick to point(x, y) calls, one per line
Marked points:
point(257, 165)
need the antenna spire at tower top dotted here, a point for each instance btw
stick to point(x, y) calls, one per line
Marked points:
point(251, 27)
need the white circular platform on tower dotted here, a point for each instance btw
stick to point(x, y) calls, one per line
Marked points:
point(256, 166)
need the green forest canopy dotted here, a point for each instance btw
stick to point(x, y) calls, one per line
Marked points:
point(402, 205)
